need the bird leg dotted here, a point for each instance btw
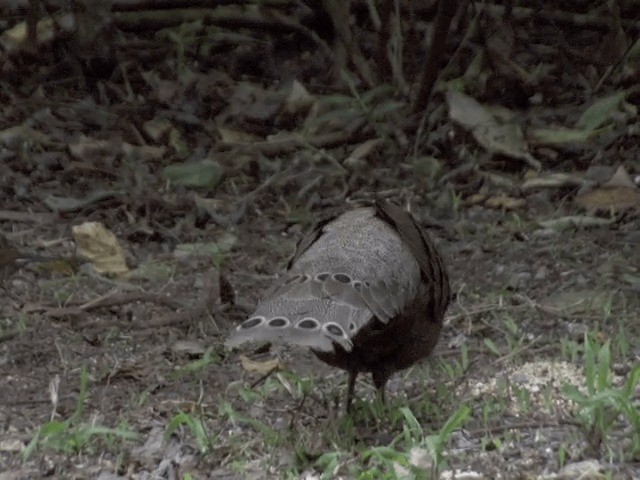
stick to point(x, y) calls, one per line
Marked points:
point(381, 395)
point(350, 387)
point(380, 381)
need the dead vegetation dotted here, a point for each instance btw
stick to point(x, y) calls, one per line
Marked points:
point(164, 156)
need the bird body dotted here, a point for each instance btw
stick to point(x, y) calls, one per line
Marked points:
point(366, 291)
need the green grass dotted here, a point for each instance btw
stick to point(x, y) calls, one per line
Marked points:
point(196, 426)
point(76, 434)
point(333, 442)
point(601, 404)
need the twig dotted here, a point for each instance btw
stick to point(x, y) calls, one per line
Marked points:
point(205, 304)
point(446, 11)
point(294, 141)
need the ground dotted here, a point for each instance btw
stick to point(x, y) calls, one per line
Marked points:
point(206, 162)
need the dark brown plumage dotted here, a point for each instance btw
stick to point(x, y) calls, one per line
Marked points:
point(366, 290)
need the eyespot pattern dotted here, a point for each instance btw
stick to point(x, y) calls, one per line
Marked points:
point(334, 329)
point(293, 279)
point(308, 324)
point(251, 323)
point(342, 277)
point(278, 322)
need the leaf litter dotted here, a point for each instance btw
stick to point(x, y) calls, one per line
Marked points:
point(207, 160)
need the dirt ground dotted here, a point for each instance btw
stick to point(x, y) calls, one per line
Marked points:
point(126, 376)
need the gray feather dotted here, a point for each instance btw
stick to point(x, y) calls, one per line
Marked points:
point(366, 290)
point(354, 269)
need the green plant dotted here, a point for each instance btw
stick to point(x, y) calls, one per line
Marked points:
point(602, 403)
point(570, 350)
point(413, 436)
point(209, 357)
point(74, 435)
point(271, 437)
point(195, 425)
point(562, 456)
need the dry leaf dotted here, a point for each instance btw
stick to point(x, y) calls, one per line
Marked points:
point(573, 222)
point(361, 152)
point(100, 247)
point(503, 201)
point(299, 100)
point(260, 367)
point(14, 137)
point(578, 301)
point(560, 135)
point(553, 180)
point(190, 347)
point(475, 199)
point(70, 204)
point(620, 179)
point(142, 153)
point(603, 198)
point(157, 128)
point(229, 135)
point(88, 147)
point(496, 136)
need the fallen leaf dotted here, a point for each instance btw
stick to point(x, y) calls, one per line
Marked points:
point(87, 147)
point(553, 180)
point(178, 143)
point(190, 347)
point(156, 128)
point(156, 271)
point(601, 111)
point(574, 221)
point(11, 445)
point(229, 135)
point(504, 202)
point(299, 100)
point(100, 246)
point(14, 137)
point(251, 101)
point(578, 301)
point(70, 204)
point(205, 173)
point(225, 242)
point(361, 152)
point(142, 153)
point(16, 38)
point(475, 199)
point(561, 136)
point(263, 368)
point(620, 179)
point(609, 198)
point(599, 174)
point(496, 136)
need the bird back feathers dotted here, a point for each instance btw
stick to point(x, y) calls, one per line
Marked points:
point(366, 263)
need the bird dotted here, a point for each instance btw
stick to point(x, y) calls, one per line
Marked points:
point(366, 290)
point(12, 259)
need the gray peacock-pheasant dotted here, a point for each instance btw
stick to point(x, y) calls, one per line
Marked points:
point(365, 290)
